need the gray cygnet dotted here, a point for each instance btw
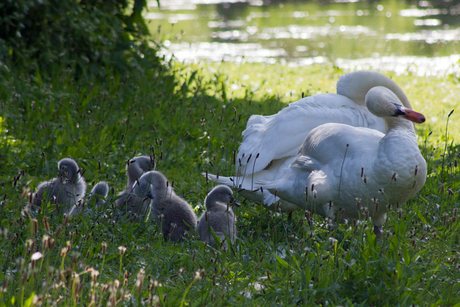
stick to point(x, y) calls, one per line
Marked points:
point(65, 191)
point(172, 213)
point(129, 202)
point(97, 198)
point(219, 216)
point(99, 193)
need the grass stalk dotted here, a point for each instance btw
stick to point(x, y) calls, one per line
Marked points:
point(94, 120)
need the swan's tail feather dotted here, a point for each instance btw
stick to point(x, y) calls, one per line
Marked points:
point(221, 180)
point(235, 182)
point(269, 198)
point(243, 185)
point(253, 192)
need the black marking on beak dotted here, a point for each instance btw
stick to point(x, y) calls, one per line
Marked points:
point(398, 111)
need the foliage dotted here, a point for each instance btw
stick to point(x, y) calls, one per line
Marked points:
point(86, 34)
point(190, 122)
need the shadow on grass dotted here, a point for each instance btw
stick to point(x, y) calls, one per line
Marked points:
point(173, 116)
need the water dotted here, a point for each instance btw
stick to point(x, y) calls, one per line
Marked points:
point(421, 37)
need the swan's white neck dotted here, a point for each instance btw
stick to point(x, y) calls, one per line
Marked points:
point(398, 149)
point(399, 125)
point(355, 86)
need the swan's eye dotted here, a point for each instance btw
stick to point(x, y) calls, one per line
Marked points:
point(398, 110)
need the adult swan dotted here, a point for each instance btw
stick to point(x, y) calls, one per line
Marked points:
point(271, 143)
point(344, 172)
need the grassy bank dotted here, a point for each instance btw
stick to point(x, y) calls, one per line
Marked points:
point(190, 118)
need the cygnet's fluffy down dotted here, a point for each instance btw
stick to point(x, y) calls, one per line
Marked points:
point(99, 193)
point(172, 213)
point(97, 198)
point(219, 216)
point(65, 190)
point(128, 201)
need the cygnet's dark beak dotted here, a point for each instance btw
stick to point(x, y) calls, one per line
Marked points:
point(233, 202)
point(149, 194)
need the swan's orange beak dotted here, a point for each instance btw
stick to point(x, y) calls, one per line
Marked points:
point(413, 116)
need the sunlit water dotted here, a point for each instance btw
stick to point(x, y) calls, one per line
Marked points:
point(419, 37)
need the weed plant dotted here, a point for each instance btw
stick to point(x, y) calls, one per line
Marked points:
point(190, 122)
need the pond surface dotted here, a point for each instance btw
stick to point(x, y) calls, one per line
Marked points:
point(422, 37)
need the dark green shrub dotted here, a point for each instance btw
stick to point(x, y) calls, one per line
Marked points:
point(86, 34)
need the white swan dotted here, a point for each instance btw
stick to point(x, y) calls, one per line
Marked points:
point(65, 190)
point(270, 143)
point(219, 216)
point(129, 202)
point(172, 213)
point(340, 168)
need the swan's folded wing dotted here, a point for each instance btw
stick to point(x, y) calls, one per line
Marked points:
point(280, 135)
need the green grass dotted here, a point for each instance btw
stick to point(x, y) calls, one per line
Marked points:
point(190, 119)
